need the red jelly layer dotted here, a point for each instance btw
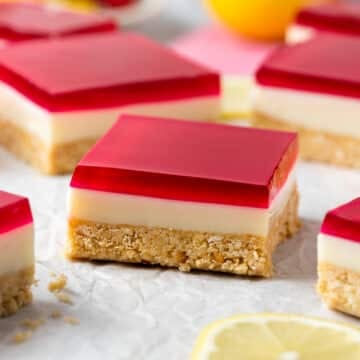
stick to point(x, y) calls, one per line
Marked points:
point(118, 3)
point(344, 221)
point(21, 21)
point(14, 212)
point(322, 65)
point(189, 161)
point(343, 17)
point(102, 70)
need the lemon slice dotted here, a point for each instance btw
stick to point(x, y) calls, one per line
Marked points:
point(277, 337)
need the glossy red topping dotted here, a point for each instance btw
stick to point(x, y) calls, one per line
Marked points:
point(344, 221)
point(21, 21)
point(342, 17)
point(14, 212)
point(118, 3)
point(328, 63)
point(102, 70)
point(188, 161)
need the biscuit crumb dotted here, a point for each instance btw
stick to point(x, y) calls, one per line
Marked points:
point(71, 320)
point(58, 284)
point(32, 324)
point(21, 337)
point(55, 314)
point(64, 298)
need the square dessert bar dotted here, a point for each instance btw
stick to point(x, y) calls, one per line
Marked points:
point(16, 253)
point(339, 258)
point(24, 21)
point(185, 194)
point(341, 17)
point(57, 98)
point(314, 88)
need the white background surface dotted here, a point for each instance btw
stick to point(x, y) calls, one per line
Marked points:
point(134, 312)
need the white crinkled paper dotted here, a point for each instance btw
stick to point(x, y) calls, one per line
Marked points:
point(136, 312)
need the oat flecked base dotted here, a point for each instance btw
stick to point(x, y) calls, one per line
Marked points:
point(318, 145)
point(186, 250)
point(58, 159)
point(15, 291)
point(339, 288)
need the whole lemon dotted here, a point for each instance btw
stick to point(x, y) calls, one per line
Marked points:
point(258, 19)
point(80, 5)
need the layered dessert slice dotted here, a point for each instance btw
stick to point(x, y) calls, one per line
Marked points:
point(341, 17)
point(339, 258)
point(58, 97)
point(184, 194)
point(16, 253)
point(25, 21)
point(314, 89)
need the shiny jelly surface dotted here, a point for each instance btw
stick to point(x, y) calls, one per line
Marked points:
point(328, 63)
point(341, 17)
point(102, 71)
point(344, 221)
point(25, 21)
point(118, 3)
point(189, 161)
point(14, 212)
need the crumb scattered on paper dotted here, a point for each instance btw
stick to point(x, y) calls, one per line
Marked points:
point(64, 298)
point(32, 324)
point(58, 284)
point(55, 314)
point(21, 337)
point(71, 320)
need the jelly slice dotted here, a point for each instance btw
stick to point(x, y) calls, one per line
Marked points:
point(321, 65)
point(344, 221)
point(14, 212)
point(189, 161)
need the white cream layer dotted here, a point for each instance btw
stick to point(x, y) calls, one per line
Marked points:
point(299, 33)
point(339, 251)
point(328, 113)
point(17, 249)
point(60, 128)
point(237, 95)
point(112, 208)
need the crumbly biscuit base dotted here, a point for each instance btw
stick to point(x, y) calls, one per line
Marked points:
point(186, 250)
point(339, 288)
point(65, 157)
point(58, 159)
point(15, 291)
point(317, 145)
